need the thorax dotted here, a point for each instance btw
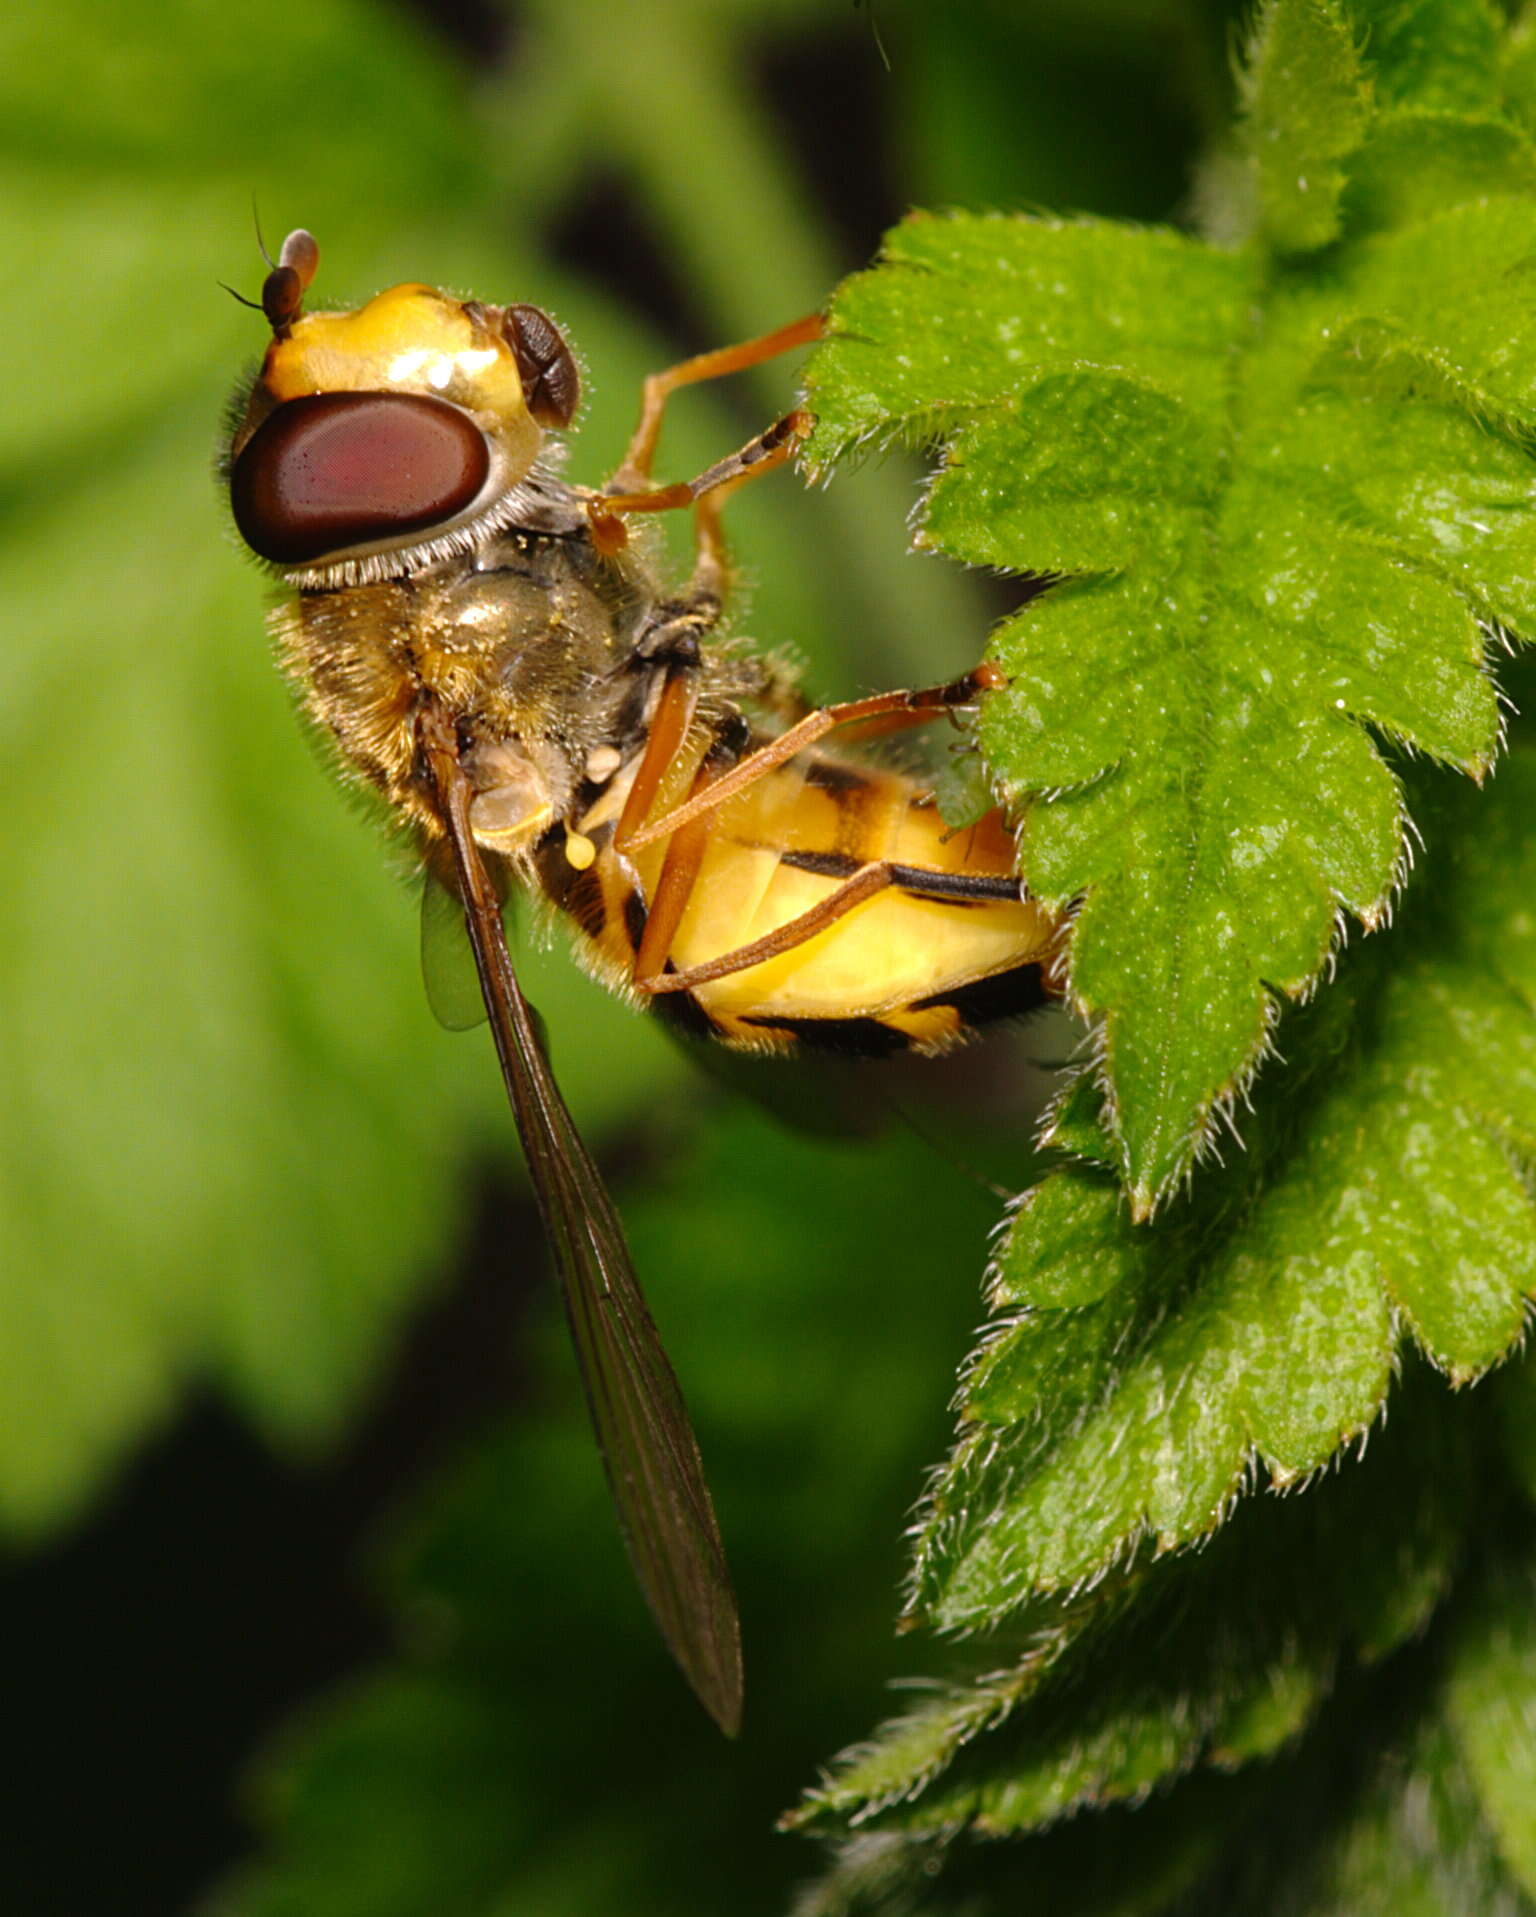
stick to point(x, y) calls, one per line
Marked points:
point(532, 642)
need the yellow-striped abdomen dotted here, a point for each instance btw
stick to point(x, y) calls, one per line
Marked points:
point(899, 968)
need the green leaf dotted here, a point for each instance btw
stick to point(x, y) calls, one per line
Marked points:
point(1442, 326)
point(961, 788)
point(1491, 1707)
point(1415, 1845)
point(1409, 1793)
point(1519, 68)
point(1443, 1822)
point(1387, 1184)
point(1305, 105)
point(1119, 1865)
point(1419, 162)
point(1381, 1190)
point(1442, 55)
point(1219, 1658)
point(1288, 503)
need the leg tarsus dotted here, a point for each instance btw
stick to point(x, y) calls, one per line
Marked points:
point(761, 454)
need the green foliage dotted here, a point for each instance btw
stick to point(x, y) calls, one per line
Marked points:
point(1426, 1811)
point(1285, 485)
point(1212, 1659)
point(1290, 495)
point(1488, 1706)
point(185, 1022)
point(1391, 1189)
point(1280, 471)
point(472, 1773)
point(1306, 105)
point(1385, 1189)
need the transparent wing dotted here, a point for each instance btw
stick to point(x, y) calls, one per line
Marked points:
point(447, 959)
point(649, 1450)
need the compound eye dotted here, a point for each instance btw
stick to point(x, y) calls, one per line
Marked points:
point(335, 470)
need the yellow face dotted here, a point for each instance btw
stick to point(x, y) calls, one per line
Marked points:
point(410, 339)
point(392, 433)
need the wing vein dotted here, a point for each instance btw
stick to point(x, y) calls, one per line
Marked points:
point(650, 1455)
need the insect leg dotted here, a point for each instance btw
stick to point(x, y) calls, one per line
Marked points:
point(669, 728)
point(864, 884)
point(919, 881)
point(760, 455)
point(710, 568)
point(635, 467)
point(679, 873)
point(884, 711)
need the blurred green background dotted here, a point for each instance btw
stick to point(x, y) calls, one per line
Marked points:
point(313, 1600)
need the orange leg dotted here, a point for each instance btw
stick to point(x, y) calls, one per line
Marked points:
point(711, 571)
point(669, 728)
point(674, 888)
point(635, 467)
point(888, 711)
point(606, 511)
point(674, 885)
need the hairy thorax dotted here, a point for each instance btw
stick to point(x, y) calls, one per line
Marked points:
point(530, 643)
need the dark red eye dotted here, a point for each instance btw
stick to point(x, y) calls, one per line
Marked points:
point(335, 470)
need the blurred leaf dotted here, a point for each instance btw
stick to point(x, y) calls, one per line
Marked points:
point(1416, 1845)
point(1119, 1863)
point(232, 1138)
point(1418, 164)
point(1441, 55)
point(1410, 1794)
point(1003, 106)
point(227, 1147)
point(1442, 1820)
point(1519, 67)
point(1492, 1711)
point(1305, 110)
point(530, 1747)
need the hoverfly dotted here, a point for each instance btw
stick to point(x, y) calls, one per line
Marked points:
point(494, 655)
